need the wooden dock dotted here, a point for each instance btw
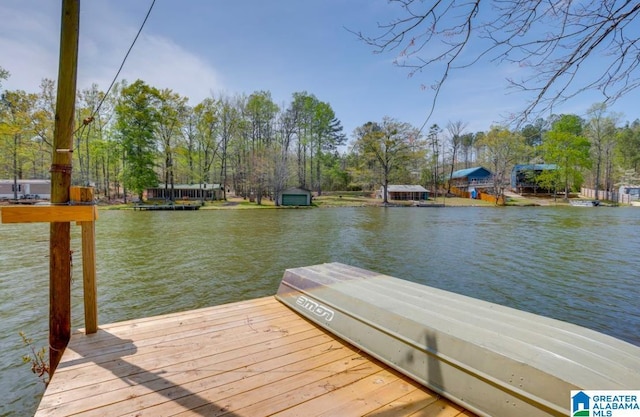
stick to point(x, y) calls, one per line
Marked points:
point(251, 358)
point(166, 207)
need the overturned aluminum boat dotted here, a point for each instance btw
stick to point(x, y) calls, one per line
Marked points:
point(584, 203)
point(492, 360)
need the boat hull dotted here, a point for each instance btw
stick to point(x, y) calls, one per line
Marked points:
point(490, 359)
point(584, 203)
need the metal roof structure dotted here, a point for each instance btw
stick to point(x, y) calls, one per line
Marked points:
point(534, 167)
point(463, 173)
point(203, 186)
point(406, 189)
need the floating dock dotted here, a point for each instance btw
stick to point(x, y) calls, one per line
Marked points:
point(252, 358)
point(166, 207)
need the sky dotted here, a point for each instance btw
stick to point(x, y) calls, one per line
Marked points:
point(201, 48)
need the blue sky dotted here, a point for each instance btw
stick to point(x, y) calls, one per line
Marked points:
point(203, 47)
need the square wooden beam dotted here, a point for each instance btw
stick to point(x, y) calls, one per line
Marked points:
point(48, 214)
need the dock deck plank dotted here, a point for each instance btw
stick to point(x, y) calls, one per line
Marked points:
point(251, 358)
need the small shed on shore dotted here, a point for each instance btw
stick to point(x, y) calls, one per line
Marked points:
point(295, 196)
point(405, 192)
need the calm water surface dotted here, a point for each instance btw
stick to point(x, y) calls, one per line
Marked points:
point(575, 264)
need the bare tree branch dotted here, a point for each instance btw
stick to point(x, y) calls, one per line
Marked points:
point(553, 42)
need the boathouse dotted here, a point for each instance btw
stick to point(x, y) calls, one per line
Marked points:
point(404, 192)
point(296, 196)
point(524, 178)
point(34, 189)
point(185, 192)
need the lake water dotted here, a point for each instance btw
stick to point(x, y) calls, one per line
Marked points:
point(575, 264)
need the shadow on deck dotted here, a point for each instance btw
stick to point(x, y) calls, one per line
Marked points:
point(253, 358)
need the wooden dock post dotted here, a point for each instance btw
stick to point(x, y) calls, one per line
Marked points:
point(61, 213)
point(84, 195)
point(60, 234)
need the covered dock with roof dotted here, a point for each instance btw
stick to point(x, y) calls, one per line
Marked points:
point(405, 193)
point(201, 191)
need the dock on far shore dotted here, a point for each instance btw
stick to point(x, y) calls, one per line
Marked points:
point(169, 207)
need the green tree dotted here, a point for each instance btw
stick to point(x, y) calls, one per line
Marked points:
point(17, 145)
point(100, 138)
point(601, 130)
point(287, 129)
point(171, 111)
point(565, 146)
point(388, 145)
point(302, 110)
point(41, 119)
point(4, 75)
point(467, 141)
point(434, 175)
point(207, 126)
point(327, 136)
point(230, 124)
point(106, 154)
point(532, 134)
point(317, 130)
point(136, 121)
point(502, 149)
point(455, 130)
point(628, 149)
point(335, 177)
point(92, 123)
point(261, 114)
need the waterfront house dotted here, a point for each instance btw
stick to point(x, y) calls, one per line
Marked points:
point(471, 177)
point(31, 189)
point(524, 178)
point(404, 192)
point(470, 183)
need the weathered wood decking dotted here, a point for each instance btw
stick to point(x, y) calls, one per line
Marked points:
point(252, 358)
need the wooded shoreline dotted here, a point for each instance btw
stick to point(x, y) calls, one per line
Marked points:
point(336, 200)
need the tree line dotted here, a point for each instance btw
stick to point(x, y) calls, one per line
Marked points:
point(141, 136)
